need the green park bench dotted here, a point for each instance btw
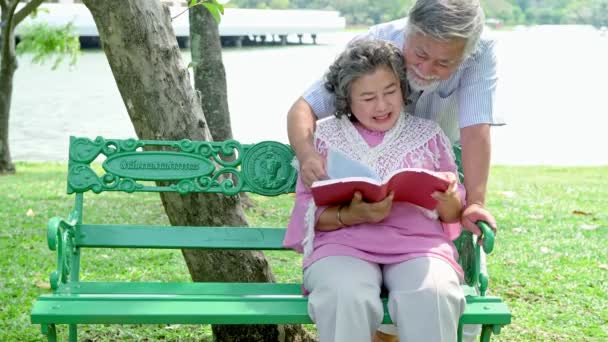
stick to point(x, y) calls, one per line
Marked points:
point(186, 166)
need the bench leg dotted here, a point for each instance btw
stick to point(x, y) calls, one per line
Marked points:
point(459, 332)
point(50, 331)
point(486, 333)
point(73, 333)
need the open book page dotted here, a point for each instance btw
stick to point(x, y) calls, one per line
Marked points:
point(347, 176)
point(340, 166)
point(416, 186)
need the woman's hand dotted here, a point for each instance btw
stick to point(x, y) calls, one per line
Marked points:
point(449, 205)
point(358, 211)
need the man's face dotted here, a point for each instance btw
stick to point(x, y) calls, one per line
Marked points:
point(429, 60)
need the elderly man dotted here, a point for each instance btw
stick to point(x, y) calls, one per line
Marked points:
point(451, 71)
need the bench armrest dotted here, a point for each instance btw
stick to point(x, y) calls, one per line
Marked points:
point(488, 246)
point(471, 254)
point(61, 234)
point(55, 226)
point(487, 234)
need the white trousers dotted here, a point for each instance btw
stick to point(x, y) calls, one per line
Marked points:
point(470, 332)
point(425, 299)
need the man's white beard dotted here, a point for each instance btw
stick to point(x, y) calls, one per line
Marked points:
point(416, 85)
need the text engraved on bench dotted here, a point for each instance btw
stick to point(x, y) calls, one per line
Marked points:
point(161, 165)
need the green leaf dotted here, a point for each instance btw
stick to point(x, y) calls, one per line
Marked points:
point(192, 3)
point(50, 43)
point(214, 10)
point(219, 6)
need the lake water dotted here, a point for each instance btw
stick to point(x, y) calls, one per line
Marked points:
point(552, 92)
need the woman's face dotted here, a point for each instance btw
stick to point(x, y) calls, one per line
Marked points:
point(376, 99)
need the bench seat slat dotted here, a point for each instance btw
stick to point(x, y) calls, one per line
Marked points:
point(121, 311)
point(208, 288)
point(208, 309)
point(141, 288)
point(172, 237)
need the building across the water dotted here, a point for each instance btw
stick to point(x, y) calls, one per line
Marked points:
point(238, 26)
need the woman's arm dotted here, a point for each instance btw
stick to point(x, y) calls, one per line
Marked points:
point(356, 212)
point(450, 202)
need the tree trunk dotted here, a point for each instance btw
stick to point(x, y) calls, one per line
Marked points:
point(8, 65)
point(209, 72)
point(154, 83)
point(210, 77)
point(210, 84)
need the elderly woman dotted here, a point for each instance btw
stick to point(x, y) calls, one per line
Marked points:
point(352, 250)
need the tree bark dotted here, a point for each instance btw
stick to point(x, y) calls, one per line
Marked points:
point(209, 72)
point(8, 65)
point(154, 83)
point(210, 77)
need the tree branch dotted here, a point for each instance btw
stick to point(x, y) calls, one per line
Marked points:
point(26, 10)
point(6, 27)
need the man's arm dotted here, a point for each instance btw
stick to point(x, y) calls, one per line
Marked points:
point(477, 113)
point(476, 153)
point(300, 130)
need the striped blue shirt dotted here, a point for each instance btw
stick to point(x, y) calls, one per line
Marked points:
point(467, 98)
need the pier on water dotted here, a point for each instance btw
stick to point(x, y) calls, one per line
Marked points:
point(238, 27)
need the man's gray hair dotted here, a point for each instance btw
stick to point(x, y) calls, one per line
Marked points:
point(448, 19)
point(360, 58)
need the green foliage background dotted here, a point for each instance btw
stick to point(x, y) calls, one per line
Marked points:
point(510, 12)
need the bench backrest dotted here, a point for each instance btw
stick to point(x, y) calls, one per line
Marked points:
point(185, 166)
point(181, 166)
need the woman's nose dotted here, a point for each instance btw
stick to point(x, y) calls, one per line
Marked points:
point(381, 104)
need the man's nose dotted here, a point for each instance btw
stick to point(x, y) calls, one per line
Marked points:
point(425, 68)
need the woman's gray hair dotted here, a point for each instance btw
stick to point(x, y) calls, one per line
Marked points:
point(448, 19)
point(360, 58)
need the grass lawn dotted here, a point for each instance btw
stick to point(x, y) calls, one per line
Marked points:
point(550, 263)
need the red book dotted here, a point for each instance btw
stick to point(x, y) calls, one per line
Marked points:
point(410, 185)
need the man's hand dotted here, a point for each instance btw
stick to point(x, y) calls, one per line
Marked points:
point(312, 168)
point(476, 212)
point(358, 211)
point(300, 128)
